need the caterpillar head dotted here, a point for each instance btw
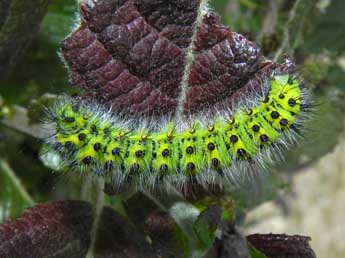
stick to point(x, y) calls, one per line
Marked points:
point(286, 97)
point(289, 96)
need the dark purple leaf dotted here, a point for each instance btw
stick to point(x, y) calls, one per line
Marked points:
point(62, 229)
point(135, 56)
point(210, 217)
point(266, 69)
point(230, 244)
point(282, 246)
point(55, 230)
point(167, 239)
point(118, 238)
point(158, 224)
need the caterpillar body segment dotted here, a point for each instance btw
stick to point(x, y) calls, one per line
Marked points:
point(89, 138)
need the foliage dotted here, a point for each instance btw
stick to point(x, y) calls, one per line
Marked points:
point(14, 199)
point(312, 34)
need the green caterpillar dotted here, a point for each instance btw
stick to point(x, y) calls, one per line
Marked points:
point(90, 138)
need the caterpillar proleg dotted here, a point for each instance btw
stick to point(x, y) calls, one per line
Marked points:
point(215, 150)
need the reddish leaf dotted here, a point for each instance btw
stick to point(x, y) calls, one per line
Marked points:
point(167, 238)
point(282, 246)
point(118, 238)
point(266, 69)
point(54, 230)
point(230, 244)
point(158, 224)
point(62, 229)
point(133, 55)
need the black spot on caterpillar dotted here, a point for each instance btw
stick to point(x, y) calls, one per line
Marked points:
point(91, 138)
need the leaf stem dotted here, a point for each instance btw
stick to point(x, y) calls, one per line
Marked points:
point(97, 217)
point(20, 122)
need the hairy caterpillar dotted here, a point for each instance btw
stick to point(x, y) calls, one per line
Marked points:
point(210, 151)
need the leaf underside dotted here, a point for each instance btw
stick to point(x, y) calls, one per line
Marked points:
point(56, 230)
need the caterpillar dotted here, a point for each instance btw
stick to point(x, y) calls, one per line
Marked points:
point(209, 150)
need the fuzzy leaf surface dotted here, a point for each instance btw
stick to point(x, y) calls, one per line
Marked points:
point(63, 229)
point(53, 230)
point(158, 57)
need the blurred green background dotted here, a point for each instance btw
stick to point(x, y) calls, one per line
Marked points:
point(312, 32)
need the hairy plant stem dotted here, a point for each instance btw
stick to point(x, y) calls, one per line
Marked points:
point(295, 23)
point(271, 19)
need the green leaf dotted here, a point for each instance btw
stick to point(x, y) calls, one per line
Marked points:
point(13, 197)
point(198, 229)
point(59, 14)
point(205, 229)
point(251, 194)
point(328, 30)
point(244, 16)
point(320, 138)
point(255, 253)
point(219, 6)
point(185, 216)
